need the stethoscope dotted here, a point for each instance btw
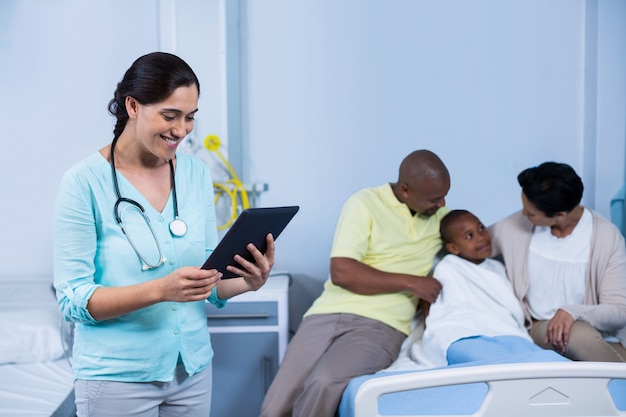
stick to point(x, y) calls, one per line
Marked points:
point(178, 227)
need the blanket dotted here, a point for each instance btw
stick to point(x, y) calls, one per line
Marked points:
point(476, 300)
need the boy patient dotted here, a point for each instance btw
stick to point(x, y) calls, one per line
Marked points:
point(476, 315)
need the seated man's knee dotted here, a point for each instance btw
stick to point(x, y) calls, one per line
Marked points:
point(318, 381)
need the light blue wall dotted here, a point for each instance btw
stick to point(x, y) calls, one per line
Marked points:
point(339, 91)
point(60, 61)
point(611, 106)
point(334, 94)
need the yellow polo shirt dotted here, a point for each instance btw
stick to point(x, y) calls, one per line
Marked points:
point(378, 230)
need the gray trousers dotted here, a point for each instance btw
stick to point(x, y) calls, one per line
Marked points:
point(184, 396)
point(585, 343)
point(327, 351)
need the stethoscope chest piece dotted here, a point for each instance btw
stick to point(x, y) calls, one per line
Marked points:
point(178, 227)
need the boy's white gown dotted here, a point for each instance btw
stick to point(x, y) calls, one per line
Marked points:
point(476, 300)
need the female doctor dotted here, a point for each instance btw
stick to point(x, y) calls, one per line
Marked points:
point(132, 224)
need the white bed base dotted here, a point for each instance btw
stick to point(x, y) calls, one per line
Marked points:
point(554, 389)
point(42, 389)
point(35, 389)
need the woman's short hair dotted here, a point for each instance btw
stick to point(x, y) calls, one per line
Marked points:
point(552, 187)
point(150, 79)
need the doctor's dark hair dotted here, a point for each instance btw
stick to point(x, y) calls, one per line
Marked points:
point(552, 187)
point(150, 79)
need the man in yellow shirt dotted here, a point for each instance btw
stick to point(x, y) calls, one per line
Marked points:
point(385, 243)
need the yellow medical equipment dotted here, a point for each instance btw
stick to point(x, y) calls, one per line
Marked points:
point(232, 189)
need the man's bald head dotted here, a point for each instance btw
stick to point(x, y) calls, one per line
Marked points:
point(423, 182)
point(421, 165)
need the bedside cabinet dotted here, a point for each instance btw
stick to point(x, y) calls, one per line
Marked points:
point(249, 337)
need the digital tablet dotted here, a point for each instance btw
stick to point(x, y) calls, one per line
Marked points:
point(252, 226)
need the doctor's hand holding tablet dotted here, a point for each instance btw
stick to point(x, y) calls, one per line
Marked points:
point(248, 240)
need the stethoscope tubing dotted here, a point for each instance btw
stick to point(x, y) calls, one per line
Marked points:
point(177, 226)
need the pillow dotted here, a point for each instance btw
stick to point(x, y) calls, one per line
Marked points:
point(29, 335)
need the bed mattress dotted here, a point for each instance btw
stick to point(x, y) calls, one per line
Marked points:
point(37, 390)
point(35, 375)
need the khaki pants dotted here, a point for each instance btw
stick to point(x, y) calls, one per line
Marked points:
point(327, 351)
point(585, 343)
point(188, 396)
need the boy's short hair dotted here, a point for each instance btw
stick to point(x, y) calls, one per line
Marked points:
point(447, 221)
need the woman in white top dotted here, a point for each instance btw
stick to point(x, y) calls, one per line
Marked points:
point(567, 265)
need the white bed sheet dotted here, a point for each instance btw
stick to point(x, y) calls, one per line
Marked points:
point(406, 360)
point(42, 388)
point(37, 390)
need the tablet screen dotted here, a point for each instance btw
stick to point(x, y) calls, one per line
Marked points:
point(251, 226)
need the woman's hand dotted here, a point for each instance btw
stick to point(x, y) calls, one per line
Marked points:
point(557, 332)
point(189, 284)
point(255, 273)
point(183, 285)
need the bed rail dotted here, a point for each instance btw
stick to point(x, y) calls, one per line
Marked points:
point(542, 389)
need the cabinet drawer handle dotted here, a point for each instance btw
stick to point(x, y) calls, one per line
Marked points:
point(266, 363)
point(238, 316)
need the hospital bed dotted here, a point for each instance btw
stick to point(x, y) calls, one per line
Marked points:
point(35, 372)
point(535, 384)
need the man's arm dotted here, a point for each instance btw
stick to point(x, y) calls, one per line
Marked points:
point(360, 278)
